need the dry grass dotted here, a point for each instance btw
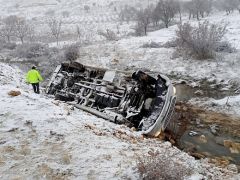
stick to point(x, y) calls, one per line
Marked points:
point(160, 166)
point(14, 93)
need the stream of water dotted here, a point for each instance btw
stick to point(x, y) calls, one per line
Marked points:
point(192, 127)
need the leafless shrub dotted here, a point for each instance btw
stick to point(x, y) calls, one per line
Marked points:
point(227, 5)
point(143, 21)
point(7, 45)
point(108, 34)
point(165, 11)
point(14, 26)
point(127, 14)
point(198, 8)
point(9, 25)
point(138, 30)
point(85, 34)
point(55, 26)
point(152, 44)
point(33, 50)
point(170, 44)
point(156, 166)
point(72, 53)
point(22, 29)
point(200, 41)
point(31, 33)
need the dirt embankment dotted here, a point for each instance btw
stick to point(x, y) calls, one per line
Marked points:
point(227, 124)
point(204, 133)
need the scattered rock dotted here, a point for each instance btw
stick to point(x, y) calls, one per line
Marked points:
point(198, 121)
point(162, 136)
point(115, 61)
point(14, 93)
point(71, 108)
point(219, 141)
point(203, 139)
point(232, 146)
point(182, 82)
point(192, 133)
point(66, 158)
point(197, 155)
point(220, 161)
point(98, 132)
point(12, 130)
point(28, 123)
point(214, 128)
point(67, 110)
point(2, 142)
point(8, 149)
point(90, 126)
point(172, 141)
point(58, 136)
point(213, 104)
point(133, 129)
point(199, 93)
point(232, 167)
point(52, 133)
point(57, 103)
point(178, 108)
point(200, 126)
point(107, 157)
point(185, 108)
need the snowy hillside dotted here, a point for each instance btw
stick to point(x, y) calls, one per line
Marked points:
point(42, 138)
point(101, 14)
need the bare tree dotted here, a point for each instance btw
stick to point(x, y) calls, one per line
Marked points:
point(31, 34)
point(179, 8)
point(108, 34)
point(228, 5)
point(198, 8)
point(22, 29)
point(55, 26)
point(72, 53)
point(8, 28)
point(128, 13)
point(166, 9)
point(143, 20)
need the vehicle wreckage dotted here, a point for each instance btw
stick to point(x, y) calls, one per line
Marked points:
point(135, 99)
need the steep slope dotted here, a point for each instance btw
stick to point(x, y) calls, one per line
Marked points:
point(42, 138)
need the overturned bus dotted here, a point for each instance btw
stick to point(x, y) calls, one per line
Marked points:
point(135, 99)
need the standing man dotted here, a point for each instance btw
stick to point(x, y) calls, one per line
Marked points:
point(34, 77)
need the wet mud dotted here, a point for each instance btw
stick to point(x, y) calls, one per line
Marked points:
point(203, 133)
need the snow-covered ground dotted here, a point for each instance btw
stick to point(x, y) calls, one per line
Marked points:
point(129, 52)
point(228, 105)
point(43, 139)
point(101, 15)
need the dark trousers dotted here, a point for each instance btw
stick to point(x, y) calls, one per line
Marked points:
point(36, 87)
